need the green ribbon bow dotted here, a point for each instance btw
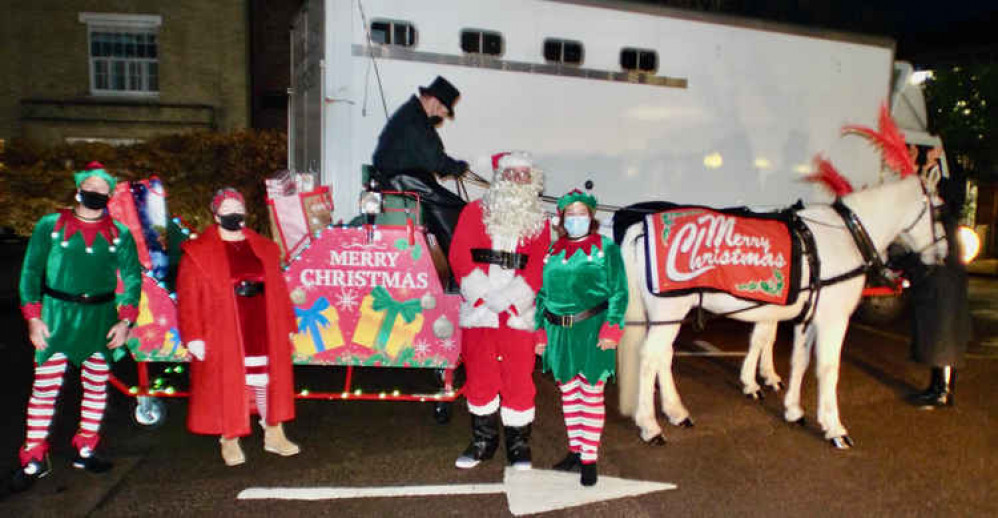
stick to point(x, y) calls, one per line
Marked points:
point(383, 301)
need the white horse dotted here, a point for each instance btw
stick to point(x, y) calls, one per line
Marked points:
point(898, 210)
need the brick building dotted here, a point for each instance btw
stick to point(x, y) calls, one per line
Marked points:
point(122, 71)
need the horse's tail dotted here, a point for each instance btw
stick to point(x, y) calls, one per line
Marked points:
point(629, 350)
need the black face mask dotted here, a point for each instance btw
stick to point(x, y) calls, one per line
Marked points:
point(435, 121)
point(232, 222)
point(94, 200)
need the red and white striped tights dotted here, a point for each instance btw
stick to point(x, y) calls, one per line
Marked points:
point(41, 407)
point(585, 414)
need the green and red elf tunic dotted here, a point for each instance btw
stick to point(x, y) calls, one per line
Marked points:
point(68, 256)
point(578, 276)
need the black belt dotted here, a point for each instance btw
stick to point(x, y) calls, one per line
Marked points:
point(571, 320)
point(506, 260)
point(82, 298)
point(248, 288)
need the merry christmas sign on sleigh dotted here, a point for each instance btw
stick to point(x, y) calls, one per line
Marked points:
point(371, 301)
point(749, 255)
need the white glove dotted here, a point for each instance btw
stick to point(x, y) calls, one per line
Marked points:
point(196, 348)
point(497, 301)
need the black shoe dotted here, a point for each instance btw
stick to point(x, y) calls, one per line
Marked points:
point(571, 462)
point(940, 391)
point(93, 463)
point(518, 446)
point(25, 476)
point(484, 441)
point(589, 474)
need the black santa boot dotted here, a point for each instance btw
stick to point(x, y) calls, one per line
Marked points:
point(484, 441)
point(940, 391)
point(518, 446)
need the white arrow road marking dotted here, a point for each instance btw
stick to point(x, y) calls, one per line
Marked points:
point(527, 492)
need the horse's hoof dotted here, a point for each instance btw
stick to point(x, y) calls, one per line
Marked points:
point(776, 387)
point(757, 395)
point(686, 423)
point(658, 440)
point(842, 442)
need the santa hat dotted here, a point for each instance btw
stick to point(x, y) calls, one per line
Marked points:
point(508, 159)
point(95, 169)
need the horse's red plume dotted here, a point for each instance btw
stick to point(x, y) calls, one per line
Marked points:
point(889, 140)
point(825, 173)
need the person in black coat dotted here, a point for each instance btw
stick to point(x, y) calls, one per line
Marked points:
point(410, 154)
point(940, 309)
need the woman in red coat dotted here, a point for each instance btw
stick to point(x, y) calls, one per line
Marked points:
point(236, 319)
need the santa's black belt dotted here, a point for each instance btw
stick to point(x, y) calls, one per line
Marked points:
point(81, 298)
point(506, 260)
point(248, 288)
point(571, 320)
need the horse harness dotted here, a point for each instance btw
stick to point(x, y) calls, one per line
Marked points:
point(872, 265)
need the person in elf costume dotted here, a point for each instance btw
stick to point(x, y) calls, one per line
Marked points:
point(497, 258)
point(580, 314)
point(236, 317)
point(67, 292)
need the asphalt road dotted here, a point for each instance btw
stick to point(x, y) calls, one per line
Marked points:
point(740, 459)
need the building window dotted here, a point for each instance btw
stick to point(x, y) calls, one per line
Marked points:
point(481, 42)
point(638, 60)
point(124, 53)
point(387, 32)
point(563, 51)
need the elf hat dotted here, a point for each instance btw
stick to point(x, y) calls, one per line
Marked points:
point(95, 169)
point(575, 195)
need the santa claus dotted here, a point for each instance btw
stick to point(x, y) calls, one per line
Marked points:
point(497, 257)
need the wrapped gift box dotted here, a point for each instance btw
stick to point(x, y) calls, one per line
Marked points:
point(386, 324)
point(318, 328)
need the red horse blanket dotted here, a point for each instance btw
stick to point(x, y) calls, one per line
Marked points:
point(747, 255)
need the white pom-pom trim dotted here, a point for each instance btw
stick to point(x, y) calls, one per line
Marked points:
point(55, 235)
point(600, 254)
point(111, 249)
point(65, 244)
point(116, 240)
point(90, 250)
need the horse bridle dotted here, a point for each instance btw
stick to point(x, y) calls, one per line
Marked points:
point(933, 216)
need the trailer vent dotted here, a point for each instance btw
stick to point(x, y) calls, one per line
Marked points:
point(638, 60)
point(475, 41)
point(392, 32)
point(563, 51)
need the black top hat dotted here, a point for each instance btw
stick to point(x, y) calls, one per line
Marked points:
point(445, 92)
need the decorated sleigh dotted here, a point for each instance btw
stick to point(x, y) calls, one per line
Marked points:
point(367, 295)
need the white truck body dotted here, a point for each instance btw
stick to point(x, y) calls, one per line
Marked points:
point(733, 114)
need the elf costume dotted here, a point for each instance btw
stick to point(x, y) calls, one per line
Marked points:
point(582, 301)
point(68, 280)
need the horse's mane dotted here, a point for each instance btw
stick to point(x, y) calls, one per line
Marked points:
point(889, 140)
point(827, 174)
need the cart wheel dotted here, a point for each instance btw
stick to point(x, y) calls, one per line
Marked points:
point(442, 412)
point(149, 412)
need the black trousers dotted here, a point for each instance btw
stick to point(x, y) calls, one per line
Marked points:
point(940, 317)
point(441, 207)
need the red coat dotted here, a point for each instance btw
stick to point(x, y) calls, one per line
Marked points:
point(207, 311)
point(478, 280)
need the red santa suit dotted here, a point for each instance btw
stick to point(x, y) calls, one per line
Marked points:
point(209, 311)
point(497, 314)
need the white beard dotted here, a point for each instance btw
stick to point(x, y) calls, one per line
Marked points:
point(513, 211)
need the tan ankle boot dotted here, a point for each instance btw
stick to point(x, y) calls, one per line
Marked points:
point(275, 441)
point(232, 454)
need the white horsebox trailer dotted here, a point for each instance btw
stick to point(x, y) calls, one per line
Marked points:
point(649, 103)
